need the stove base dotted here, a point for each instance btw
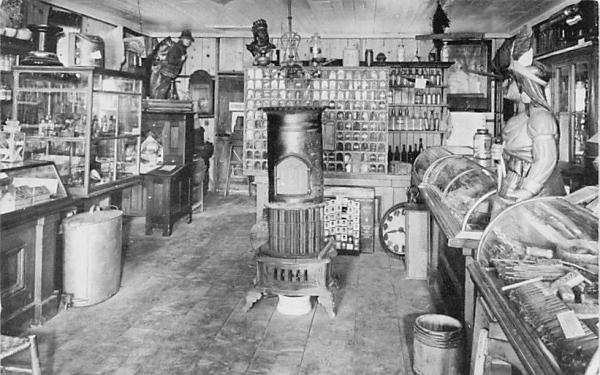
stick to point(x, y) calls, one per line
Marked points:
point(296, 277)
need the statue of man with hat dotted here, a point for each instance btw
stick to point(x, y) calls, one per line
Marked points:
point(169, 65)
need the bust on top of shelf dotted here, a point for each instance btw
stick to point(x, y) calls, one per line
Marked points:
point(260, 46)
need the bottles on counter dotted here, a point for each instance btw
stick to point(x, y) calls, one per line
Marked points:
point(405, 156)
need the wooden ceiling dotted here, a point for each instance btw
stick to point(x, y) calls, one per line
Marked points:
point(333, 18)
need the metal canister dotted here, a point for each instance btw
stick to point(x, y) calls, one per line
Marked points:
point(369, 57)
point(482, 144)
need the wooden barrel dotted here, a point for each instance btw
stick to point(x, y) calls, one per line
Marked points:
point(438, 345)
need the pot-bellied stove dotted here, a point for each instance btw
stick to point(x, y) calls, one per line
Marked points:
point(296, 260)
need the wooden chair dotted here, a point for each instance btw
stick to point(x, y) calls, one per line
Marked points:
point(10, 345)
point(234, 165)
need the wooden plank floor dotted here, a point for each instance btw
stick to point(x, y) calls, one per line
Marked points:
point(179, 311)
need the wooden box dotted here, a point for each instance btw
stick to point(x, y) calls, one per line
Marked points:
point(169, 196)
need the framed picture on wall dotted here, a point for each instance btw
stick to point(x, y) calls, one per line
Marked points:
point(468, 88)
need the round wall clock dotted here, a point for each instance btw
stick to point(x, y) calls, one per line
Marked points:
point(392, 234)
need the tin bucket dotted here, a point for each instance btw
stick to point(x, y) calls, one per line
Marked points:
point(92, 270)
point(438, 345)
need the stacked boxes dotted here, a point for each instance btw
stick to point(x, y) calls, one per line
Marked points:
point(342, 223)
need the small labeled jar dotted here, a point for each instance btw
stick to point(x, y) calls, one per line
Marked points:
point(482, 144)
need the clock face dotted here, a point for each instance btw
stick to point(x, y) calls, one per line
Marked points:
point(391, 230)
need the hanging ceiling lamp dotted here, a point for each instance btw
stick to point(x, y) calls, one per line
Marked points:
point(291, 67)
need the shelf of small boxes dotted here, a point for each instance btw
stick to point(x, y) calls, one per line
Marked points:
point(359, 117)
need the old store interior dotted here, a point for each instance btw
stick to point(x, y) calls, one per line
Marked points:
point(299, 187)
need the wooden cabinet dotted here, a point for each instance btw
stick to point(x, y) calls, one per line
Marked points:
point(32, 203)
point(169, 197)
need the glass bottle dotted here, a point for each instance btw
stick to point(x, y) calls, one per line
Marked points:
point(397, 155)
point(403, 156)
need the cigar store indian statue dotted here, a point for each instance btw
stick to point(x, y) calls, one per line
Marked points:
point(528, 155)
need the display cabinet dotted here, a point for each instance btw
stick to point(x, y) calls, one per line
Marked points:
point(33, 200)
point(463, 189)
point(167, 136)
point(573, 95)
point(457, 187)
point(12, 51)
point(86, 120)
point(536, 271)
point(430, 155)
point(418, 107)
point(27, 185)
point(355, 135)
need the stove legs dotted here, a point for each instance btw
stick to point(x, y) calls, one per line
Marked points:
point(251, 298)
point(326, 300)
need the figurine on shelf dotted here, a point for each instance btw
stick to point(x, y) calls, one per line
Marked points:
point(260, 46)
point(167, 61)
point(527, 158)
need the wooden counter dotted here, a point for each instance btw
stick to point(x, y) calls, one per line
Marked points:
point(526, 350)
point(452, 250)
point(30, 257)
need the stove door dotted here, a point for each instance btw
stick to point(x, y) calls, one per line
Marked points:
point(292, 177)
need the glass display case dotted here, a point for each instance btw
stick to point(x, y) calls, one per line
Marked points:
point(538, 261)
point(549, 223)
point(464, 188)
point(424, 161)
point(86, 120)
point(28, 184)
point(430, 155)
point(572, 93)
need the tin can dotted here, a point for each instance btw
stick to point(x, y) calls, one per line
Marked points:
point(482, 144)
point(369, 57)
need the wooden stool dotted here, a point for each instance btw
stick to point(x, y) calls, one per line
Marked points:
point(12, 345)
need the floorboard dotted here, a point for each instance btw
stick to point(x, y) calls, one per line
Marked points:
point(179, 311)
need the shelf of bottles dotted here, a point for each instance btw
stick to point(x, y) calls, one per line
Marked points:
point(358, 115)
point(417, 109)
